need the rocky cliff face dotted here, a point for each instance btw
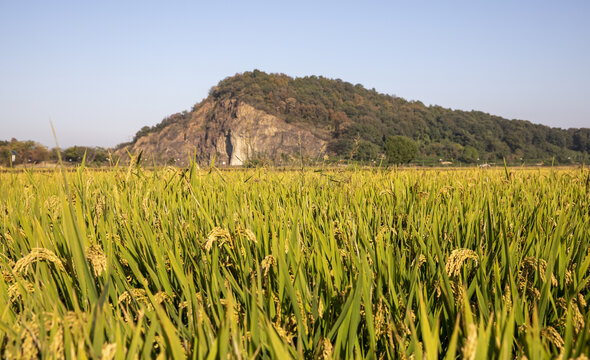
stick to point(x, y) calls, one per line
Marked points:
point(232, 132)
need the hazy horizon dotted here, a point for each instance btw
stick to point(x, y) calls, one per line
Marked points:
point(101, 71)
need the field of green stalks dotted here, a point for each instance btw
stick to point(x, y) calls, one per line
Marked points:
point(202, 263)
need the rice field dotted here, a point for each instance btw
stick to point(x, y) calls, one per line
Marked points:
point(199, 263)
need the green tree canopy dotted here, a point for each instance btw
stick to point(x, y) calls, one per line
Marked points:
point(469, 155)
point(400, 149)
point(366, 151)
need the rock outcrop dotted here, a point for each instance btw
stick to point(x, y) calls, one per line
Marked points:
point(230, 131)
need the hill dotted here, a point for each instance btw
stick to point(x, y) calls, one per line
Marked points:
point(255, 115)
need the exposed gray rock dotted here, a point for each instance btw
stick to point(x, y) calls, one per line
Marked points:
point(230, 131)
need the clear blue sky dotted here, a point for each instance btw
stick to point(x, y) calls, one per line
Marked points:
point(103, 69)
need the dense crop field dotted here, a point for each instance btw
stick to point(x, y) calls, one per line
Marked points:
point(303, 264)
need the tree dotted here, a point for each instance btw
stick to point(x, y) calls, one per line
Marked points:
point(469, 155)
point(366, 151)
point(39, 154)
point(581, 140)
point(142, 132)
point(340, 146)
point(339, 119)
point(25, 152)
point(400, 149)
point(100, 155)
point(74, 154)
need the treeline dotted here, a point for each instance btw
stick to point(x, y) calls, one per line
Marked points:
point(16, 152)
point(365, 119)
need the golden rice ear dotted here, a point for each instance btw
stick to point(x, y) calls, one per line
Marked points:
point(456, 260)
point(16, 290)
point(108, 351)
point(138, 294)
point(553, 336)
point(97, 259)
point(268, 262)
point(470, 347)
point(37, 254)
point(529, 268)
point(325, 349)
point(421, 261)
point(216, 234)
point(250, 235)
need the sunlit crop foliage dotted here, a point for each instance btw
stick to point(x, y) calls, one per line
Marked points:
point(171, 262)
